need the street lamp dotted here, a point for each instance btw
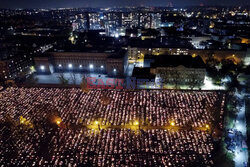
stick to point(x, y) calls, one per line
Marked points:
point(42, 68)
point(172, 123)
point(97, 124)
point(136, 123)
point(70, 65)
point(58, 122)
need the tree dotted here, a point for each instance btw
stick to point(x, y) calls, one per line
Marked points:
point(170, 77)
point(62, 79)
point(215, 129)
point(175, 75)
point(193, 80)
point(84, 84)
point(73, 78)
point(223, 154)
point(32, 80)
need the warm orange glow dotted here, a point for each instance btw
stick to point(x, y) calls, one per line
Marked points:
point(207, 126)
point(234, 59)
point(194, 55)
point(136, 123)
point(172, 123)
point(26, 122)
point(245, 40)
point(58, 121)
point(96, 122)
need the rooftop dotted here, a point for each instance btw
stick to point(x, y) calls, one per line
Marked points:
point(177, 60)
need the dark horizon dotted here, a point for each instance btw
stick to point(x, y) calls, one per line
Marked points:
point(29, 4)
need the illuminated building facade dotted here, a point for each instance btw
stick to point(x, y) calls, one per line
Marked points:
point(111, 63)
point(135, 53)
point(15, 67)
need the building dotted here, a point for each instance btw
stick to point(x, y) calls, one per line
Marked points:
point(112, 20)
point(130, 19)
point(111, 63)
point(179, 70)
point(15, 66)
point(136, 53)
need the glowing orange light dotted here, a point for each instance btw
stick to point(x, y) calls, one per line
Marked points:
point(172, 123)
point(58, 122)
point(136, 123)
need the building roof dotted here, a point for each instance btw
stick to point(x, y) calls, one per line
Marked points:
point(177, 60)
point(139, 72)
point(114, 54)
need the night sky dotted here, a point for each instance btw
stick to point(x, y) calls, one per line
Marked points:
point(112, 3)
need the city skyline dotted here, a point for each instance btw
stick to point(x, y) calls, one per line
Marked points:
point(113, 3)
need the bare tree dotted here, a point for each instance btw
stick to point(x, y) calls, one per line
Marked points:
point(32, 80)
point(84, 84)
point(175, 76)
point(193, 80)
point(62, 79)
point(215, 121)
point(170, 76)
point(73, 78)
